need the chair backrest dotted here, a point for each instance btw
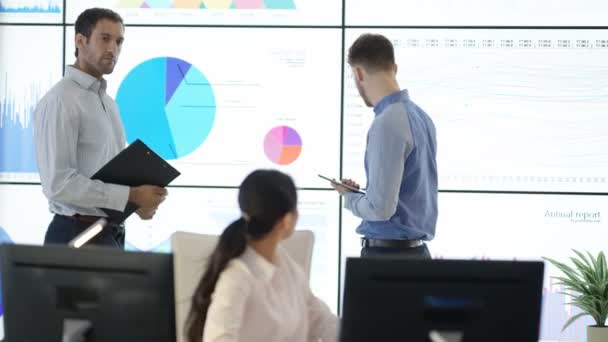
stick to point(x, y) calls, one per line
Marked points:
point(190, 254)
point(299, 246)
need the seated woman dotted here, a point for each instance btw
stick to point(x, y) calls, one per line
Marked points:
point(252, 290)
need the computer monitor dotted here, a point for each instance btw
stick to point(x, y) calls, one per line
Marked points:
point(441, 300)
point(94, 294)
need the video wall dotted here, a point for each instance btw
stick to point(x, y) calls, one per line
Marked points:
point(517, 90)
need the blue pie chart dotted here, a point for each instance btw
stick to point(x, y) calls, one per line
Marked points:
point(168, 104)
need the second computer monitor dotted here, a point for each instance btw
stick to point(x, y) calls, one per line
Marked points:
point(441, 300)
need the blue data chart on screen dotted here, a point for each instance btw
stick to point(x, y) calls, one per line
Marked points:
point(31, 11)
point(40, 6)
point(17, 153)
point(25, 78)
point(168, 104)
point(4, 238)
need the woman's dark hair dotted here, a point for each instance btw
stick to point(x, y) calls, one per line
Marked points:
point(265, 197)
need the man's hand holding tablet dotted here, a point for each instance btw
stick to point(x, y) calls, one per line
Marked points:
point(346, 185)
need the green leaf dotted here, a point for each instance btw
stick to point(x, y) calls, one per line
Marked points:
point(568, 294)
point(572, 319)
point(602, 265)
point(588, 276)
point(593, 260)
point(574, 286)
point(584, 258)
point(573, 275)
point(561, 266)
point(598, 306)
point(604, 315)
point(581, 266)
point(592, 283)
point(586, 304)
point(592, 279)
point(585, 284)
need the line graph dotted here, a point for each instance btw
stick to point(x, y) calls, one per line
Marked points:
point(522, 110)
point(476, 13)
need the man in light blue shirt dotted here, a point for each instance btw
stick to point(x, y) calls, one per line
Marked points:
point(77, 129)
point(399, 208)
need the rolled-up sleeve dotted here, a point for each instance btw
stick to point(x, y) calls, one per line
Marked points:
point(387, 148)
point(56, 138)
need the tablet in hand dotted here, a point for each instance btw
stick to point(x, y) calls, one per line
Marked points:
point(334, 181)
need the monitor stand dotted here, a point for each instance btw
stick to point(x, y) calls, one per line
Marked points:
point(445, 336)
point(76, 330)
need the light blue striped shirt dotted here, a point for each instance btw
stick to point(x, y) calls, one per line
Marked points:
point(401, 170)
point(77, 129)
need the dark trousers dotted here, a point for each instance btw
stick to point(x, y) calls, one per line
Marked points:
point(420, 252)
point(64, 228)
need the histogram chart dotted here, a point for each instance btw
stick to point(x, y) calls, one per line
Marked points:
point(209, 211)
point(218, 12)
point(515, 110)
point(226, 106)
point(556, 311)
point(477, 13)
point(31, 11)
point(508, 227)
point(17, 133)
point(24, 79)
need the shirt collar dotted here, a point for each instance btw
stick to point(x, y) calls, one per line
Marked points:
point(260, 267)
point(85, 80)
point(398, 96)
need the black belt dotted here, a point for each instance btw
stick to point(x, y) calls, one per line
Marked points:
point(92, 219)
point(367, 242)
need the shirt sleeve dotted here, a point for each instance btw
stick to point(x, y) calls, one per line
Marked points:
point(323, 323)
point(56, 131)
point(387, 146)
point(227, 309)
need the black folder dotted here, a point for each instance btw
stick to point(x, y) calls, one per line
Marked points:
point(136, 165)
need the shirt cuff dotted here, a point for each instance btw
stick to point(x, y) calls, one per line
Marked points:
point(118, 196)
point(349, 198)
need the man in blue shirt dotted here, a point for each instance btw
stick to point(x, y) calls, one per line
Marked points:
point(399, 208)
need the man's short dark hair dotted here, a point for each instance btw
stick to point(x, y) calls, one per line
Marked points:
point(88, 19)
point(372, 51)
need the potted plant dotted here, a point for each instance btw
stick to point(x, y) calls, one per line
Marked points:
point(587, 284)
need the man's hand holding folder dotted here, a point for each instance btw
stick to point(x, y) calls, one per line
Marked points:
point(147, 198)
point(146, 213)
point(146, 174)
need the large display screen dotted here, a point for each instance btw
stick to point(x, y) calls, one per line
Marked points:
point(515, 110)
point(219, 88)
